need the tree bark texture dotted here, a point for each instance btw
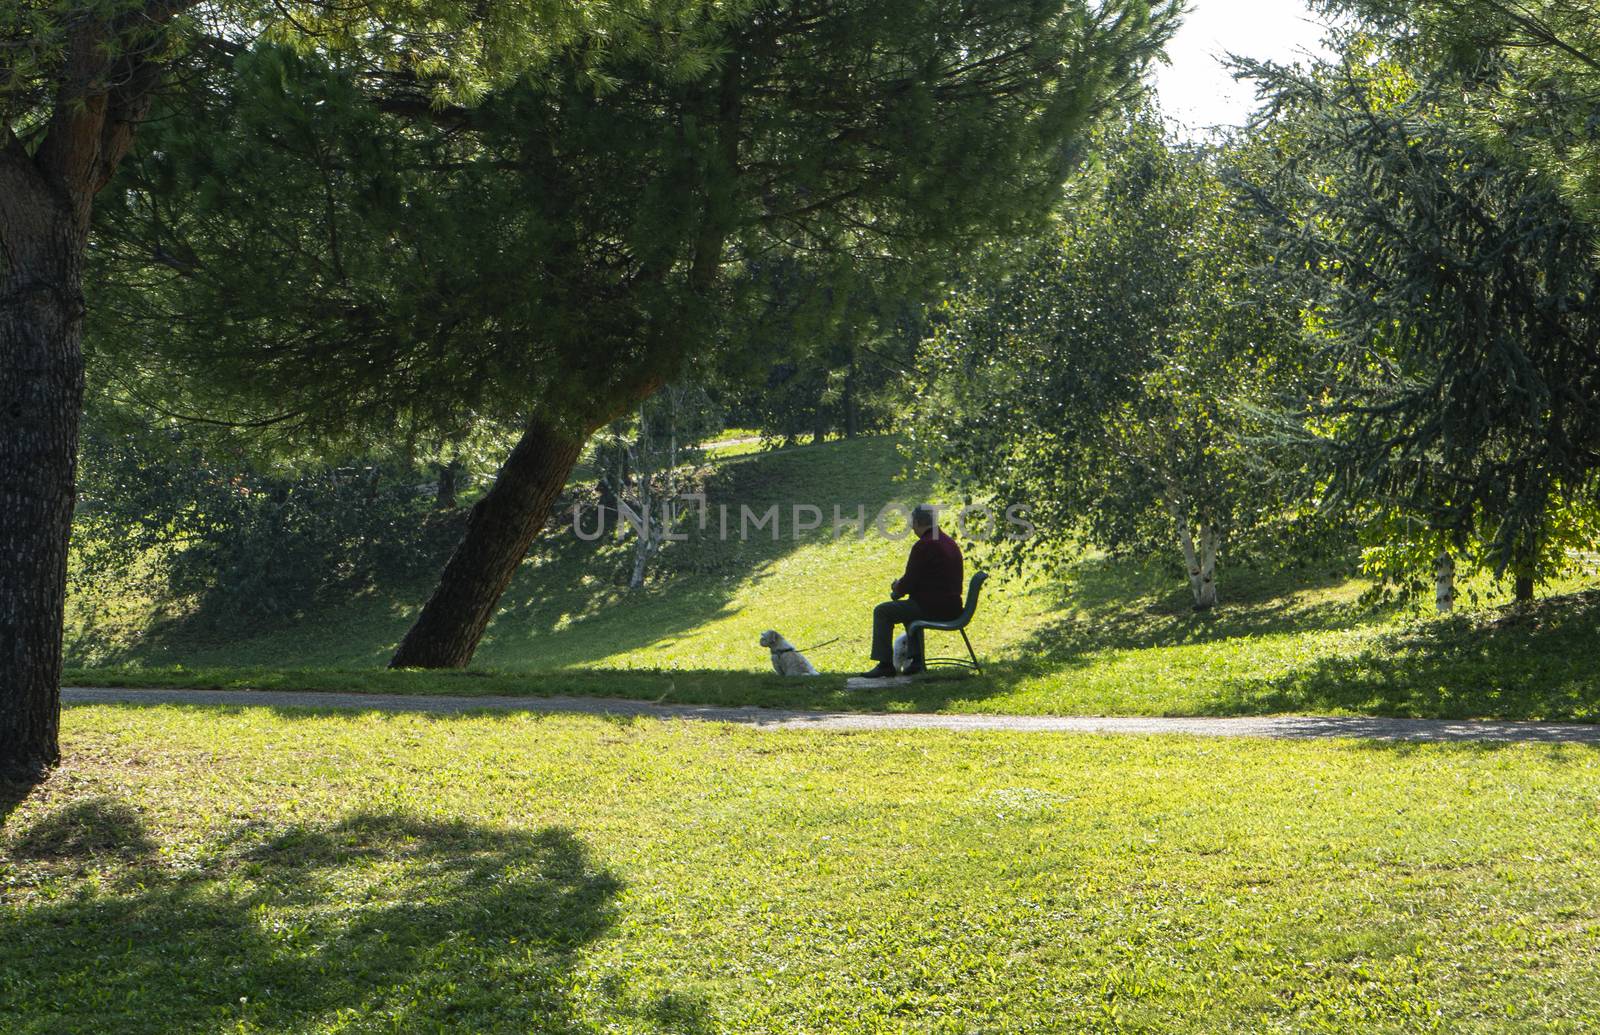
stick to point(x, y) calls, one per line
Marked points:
point(500, 529)
point(1522, 588)
point(1444, 583)
point(1206, 594)
point(444, 496)
point(41, 395)
point(646, 542)
point(109, 71)
point(1200, 562)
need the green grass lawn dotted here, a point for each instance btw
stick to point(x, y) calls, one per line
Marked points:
point(1103, 637)
point(213, 870)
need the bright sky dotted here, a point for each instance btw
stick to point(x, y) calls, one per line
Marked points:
point(1196, 90)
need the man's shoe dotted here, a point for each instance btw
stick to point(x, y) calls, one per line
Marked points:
point(883, 671)
point(916, 668)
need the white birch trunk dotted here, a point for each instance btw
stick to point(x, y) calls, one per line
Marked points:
point(1205, 596)
point(669, 500)
point(1444, 583)
point(668, 513)
point(1191, 557)
point(655, 532)
point(1201, 562)
point(643, 545)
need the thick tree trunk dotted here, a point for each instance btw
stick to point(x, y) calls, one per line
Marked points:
point(501, 528)
point(102, 91)
point(41, 394)
point(1444, 583)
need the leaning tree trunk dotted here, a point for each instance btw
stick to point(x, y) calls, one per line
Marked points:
point(500, 529)
point(41, 394)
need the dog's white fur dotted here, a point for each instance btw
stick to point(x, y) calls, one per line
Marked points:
point(786, 661)
point(902, 652)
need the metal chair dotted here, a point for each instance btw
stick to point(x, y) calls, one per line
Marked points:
point(956, 624)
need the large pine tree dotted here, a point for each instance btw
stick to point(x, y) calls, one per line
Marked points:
point(77, 78)
point(554, 251)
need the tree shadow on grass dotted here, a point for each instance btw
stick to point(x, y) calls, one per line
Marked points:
point(93, 827)
point(572, 607)
point(1106, 605)
point(376, 922)
point(1114, 605)
point(12, 795)
point(1535, 661)
point(1556, 753)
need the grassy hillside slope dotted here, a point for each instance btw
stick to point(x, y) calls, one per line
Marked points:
point(1105, 637)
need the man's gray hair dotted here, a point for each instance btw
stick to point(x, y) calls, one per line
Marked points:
point(924, 515)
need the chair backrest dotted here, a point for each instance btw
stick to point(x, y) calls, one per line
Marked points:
point(972, 596)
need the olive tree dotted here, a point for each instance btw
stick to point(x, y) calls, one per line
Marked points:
point(1094, 373)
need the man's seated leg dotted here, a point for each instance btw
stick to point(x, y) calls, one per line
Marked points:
point(885, 617)
point(914, 647)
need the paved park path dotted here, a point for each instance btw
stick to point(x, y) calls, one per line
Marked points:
point(1282, 727)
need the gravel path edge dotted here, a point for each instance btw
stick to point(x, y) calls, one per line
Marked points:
point(1282, 727)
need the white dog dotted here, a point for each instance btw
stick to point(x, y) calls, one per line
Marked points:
point(902, 652)
point(786, 661)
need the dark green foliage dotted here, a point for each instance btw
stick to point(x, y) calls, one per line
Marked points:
point(282, 247)
point(312, 239)
point(1454, 299)
point(814, 352)
point(1096, 373)
point(1535, 68)
point(246, 542)
point(554, 252)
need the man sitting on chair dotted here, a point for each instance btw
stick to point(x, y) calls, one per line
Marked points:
point(932, 586)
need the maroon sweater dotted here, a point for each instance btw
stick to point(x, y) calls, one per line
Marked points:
point(933, 576)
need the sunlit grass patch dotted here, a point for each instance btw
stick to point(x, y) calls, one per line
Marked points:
point(211, 869)
point(1101, 636)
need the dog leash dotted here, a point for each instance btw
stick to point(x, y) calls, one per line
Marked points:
point(802, 650)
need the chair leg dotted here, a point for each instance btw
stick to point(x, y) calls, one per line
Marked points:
point(971, 653)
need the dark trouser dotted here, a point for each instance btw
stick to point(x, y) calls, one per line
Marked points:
point(885, 617)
